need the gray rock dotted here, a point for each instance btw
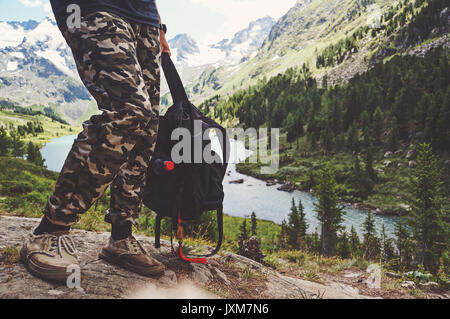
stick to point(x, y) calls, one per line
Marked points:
point(201, 274)
point(222, 276)
point(430, 285)
point(388, 154)
point(242, 261)
point(99, 279)
point(55, 292)
point(392, 275)
point(374, 280)
point(352, 275)
point(411, 155)
point(102, 280)
point(408, 284)
point(387, 163)
point(169, 278)
point(287, 187)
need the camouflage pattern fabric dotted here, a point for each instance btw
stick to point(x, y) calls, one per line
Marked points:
point(119, 63)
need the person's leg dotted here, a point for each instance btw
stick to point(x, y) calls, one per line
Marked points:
point(126, 190)
point(127, 187)
point(104, 49)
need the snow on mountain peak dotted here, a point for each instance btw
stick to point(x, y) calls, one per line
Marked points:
point(187, 51)
point(13, 32)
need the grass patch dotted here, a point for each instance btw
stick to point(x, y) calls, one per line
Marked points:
point(52, 128)
point(10, 255)
point(247, 273)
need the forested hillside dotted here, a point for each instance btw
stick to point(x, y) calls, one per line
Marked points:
point(408, 95)
point(382, 113)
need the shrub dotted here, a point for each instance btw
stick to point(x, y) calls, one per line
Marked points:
point(12, 188)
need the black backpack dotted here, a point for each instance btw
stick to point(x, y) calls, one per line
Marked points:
point(190, 189)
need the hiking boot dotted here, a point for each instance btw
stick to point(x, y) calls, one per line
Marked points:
point(48, 256)
point(129, 253)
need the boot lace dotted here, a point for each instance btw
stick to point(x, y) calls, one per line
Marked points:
point(134, 247)
point(57, 244)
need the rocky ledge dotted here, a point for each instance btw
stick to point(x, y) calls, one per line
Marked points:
point(226, 275)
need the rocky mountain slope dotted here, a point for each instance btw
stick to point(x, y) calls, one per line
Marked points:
point(227, 275)
point(228, 55)
point(369, 31)
point(37, 68)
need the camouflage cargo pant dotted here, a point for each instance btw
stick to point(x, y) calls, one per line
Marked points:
point(119, 63)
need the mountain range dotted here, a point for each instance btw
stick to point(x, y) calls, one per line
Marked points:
point(37, 68)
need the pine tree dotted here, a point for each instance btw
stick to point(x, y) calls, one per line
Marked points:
point(243, 231)
point(393, 137)
point(303, 225)
point(283, 236)
point(5, 142)
point(377, 124)
point(387, 246)
point(294, 226)
point(353, 138)
point(17, 144)
point(34, 155)
point(403, 243)
point(329, 211)
point(371, 243)
point(355, 243)
point(443, 123)
point(358, 177)
point(254, 224)
point(365, 118)
point(344, 246)
point(291, 128)
point(431, 132)
point(367, 137)
point(420, 112)
point(316, 244)
point(370, 172)
point(427, 224)
point(31, 153)
point(326, 139)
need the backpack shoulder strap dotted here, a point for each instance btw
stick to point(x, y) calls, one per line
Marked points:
point(173, 79)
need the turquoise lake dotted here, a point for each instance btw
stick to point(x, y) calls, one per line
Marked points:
point(243, 199)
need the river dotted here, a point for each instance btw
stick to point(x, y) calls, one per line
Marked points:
point(242, 199)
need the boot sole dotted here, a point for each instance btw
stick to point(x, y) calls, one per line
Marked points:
point(47, 273)
point(141, 270)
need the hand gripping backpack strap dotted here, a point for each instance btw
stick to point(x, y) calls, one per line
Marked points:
point(173, 79)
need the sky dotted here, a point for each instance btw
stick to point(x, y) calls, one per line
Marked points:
point(207, 21)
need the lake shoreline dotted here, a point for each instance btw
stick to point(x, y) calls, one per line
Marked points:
point(356, 205)
point(241, 200)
